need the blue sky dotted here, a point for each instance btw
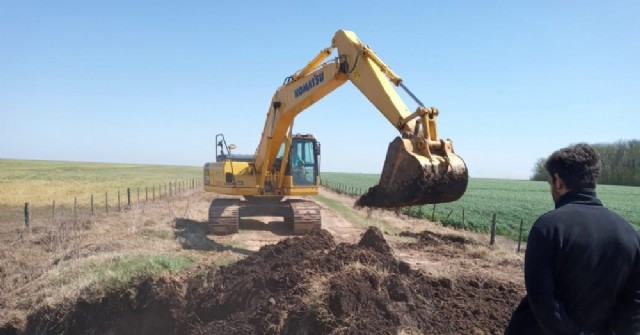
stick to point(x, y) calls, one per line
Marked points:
point(153, 82)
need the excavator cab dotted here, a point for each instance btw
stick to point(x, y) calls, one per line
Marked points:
point(303, 160)
point(302, 163)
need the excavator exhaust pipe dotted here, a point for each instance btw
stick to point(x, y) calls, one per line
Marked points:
point(409, 178)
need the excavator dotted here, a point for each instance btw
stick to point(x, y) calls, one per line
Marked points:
point(419, 167)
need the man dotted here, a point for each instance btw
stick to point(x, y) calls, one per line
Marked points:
point(582, 264)
point(296, 160)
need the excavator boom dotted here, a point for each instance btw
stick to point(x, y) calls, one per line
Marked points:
point(419, 168)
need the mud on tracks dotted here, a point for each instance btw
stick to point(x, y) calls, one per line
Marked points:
point(301, 285)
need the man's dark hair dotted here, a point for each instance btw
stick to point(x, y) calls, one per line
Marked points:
point(577, 165)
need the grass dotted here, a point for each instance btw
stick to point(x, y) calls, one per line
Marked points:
point(512, 201)
point(41, 182)
point(67, 255)
point(349, 214)
point(118, 272)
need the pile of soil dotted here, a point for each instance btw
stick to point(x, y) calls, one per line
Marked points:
point(425, 239)
point(301, 285)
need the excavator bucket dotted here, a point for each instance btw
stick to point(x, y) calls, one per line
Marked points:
point(409, 178)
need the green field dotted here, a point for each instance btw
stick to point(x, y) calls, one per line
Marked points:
point(41, 182)
point(511, 201)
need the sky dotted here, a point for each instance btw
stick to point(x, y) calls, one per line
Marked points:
point(153, 82)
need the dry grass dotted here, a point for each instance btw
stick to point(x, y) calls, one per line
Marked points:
point(67, 257)
point(41, 182)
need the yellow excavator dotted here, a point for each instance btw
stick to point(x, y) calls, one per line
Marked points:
point(419, 167)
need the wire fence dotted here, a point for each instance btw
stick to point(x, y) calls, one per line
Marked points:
point(425, 211)
point(105, 203)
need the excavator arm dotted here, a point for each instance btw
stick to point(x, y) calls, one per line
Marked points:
point(419, 168)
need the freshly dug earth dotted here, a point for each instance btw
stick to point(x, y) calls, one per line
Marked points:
point(406, 182)
point(301, 285)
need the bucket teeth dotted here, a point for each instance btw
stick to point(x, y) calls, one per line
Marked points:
point(412, 179)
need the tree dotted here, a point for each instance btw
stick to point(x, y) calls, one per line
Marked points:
point(539, 172)
point(620, 163)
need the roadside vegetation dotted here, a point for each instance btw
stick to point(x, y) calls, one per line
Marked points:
point(64, 255)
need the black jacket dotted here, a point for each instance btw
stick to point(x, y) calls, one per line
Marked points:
point(582, 272)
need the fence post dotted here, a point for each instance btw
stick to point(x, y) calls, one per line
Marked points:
point(493, 230)
point(119, 208)
point(146, 194)
point(128, 197)
point(463, 216)
point(53, 209)
point(169, 189)
point(106, 202)
point(433, 213)
point(91, 204)
point(75, 216)
point(520, 235)
point(27, 216)
point(138, 196)
point(153, 188)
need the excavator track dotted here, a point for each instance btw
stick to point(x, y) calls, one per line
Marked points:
point(224, 216)
point(306, 216)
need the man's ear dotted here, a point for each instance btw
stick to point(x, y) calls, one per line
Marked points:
point(559, 183)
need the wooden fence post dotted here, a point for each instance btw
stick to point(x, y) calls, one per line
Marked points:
point(53, 209)
point(27, 216)
point(75, 216)
point(91, 204)
point(119, 208)
point(154, 193)
point(146, 194)
point(138, 196)
point(520, 235)
point(128, 197)
point(433, 213)
point(493, 230)
point(463, 216)
point(106, 202)
point(169, 189)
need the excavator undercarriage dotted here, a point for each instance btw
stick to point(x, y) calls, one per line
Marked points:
point(300, 215)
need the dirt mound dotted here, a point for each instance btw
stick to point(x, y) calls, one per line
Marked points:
point(301, 285)
point(430, 239)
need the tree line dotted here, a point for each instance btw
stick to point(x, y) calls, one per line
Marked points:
point(620, 164)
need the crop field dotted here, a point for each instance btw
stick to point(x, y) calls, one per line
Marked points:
point(42, 182)
point(512, 201)
point(39, 182)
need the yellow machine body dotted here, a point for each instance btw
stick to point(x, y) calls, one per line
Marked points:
point(420, 168)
